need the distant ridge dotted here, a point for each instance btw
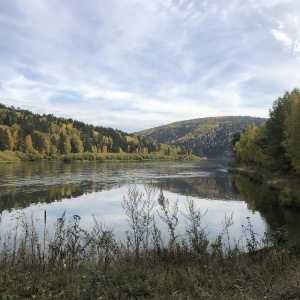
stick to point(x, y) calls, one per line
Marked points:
point(211, 136)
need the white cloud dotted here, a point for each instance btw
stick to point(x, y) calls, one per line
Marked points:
point(281, 36)
point(137, 64)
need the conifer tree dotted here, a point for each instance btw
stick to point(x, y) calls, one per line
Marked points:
point(6, 138)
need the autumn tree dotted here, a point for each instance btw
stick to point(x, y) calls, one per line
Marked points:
point(21, 130)
point(292, 132)
point(276, 143)
point(41, 142)
point(76, 144)
point(245, 148)
point(275, 132)
point(6, 138)
point(64, 144)
point(28, 143)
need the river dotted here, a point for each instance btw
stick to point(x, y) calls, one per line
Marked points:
point(96, 190)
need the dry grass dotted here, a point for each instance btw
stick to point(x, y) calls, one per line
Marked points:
point(75, 264)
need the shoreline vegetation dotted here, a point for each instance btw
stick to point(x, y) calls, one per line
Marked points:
point(270, 154)
point(286, 187)
point(18, 156)
point(73, 263)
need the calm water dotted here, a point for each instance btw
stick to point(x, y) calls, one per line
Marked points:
point(96, 189)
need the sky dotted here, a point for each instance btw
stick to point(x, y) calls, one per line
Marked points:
point(137, 64)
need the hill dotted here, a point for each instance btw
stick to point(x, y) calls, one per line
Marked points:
point(211, 137)
point(40, 136)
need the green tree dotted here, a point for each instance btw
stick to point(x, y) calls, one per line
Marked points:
point(261, 156)
point(41, 142)
point(275, 132)
point(292, 132)
point(6, 139)
point(76, 144)
point(64, 145)
point(245, 149)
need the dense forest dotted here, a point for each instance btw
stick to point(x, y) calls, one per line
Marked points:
point(22, 131)
point(210, 137)
point(275, 144)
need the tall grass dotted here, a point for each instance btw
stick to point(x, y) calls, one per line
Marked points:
point(73, 263)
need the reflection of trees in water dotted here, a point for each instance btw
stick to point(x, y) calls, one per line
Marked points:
point(27, 170)
point(261, 198)
point(23, 184)
point(10, 199)
point(213, 187)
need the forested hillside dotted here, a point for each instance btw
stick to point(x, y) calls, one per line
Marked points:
point(48, 136)
point(211, 137)
point(276, 143)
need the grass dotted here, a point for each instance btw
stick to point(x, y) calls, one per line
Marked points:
point(72, 263)
point(275, 277)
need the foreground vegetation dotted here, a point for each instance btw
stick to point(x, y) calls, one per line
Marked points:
point(73, 263)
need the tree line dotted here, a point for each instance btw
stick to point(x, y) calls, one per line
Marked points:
point(47, 135)
point(275, 144)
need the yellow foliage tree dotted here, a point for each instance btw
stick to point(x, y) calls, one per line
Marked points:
point(28, 143)
point(292, 132)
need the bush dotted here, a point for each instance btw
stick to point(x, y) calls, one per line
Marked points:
point(9, 156)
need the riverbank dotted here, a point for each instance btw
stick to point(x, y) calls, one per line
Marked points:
point(126, 157)
point(286, 187)
point(75, 263)
point(17, 156)
point(275, 276)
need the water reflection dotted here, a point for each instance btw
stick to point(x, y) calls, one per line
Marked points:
point(23, 184)
point(209, 186)
point(88, 188)
point(260, 198)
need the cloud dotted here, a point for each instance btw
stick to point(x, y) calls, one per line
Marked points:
point(138, 64)
point(282, 37)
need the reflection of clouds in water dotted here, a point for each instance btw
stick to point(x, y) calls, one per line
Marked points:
point(106, 207)
point(218, 210)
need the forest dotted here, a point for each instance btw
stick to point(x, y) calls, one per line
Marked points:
point(40, 136)
point(210, 137)
point(275, 144)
